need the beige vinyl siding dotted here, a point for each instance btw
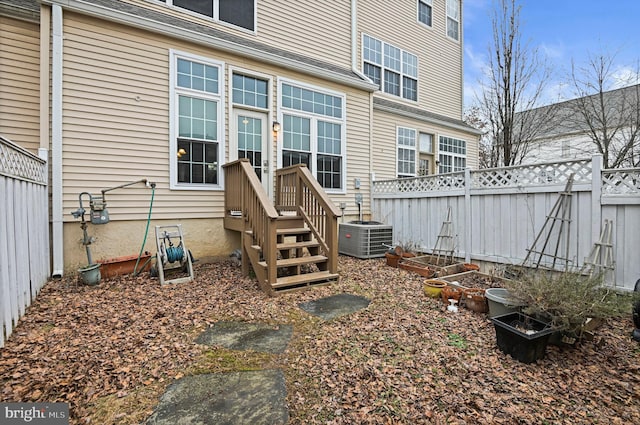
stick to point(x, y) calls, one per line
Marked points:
point(385, 142)
point(320, 29)
point(116, 119)
point(358, 152)
point(20, 82)
point(439, 57)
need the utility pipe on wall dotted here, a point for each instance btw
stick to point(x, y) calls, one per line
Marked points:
point(56, 143)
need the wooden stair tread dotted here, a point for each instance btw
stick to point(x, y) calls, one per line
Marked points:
point(298, 279)
point(293, 231)
point(302, 244)
point(288, 262)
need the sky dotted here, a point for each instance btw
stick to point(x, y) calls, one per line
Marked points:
point(563, 31)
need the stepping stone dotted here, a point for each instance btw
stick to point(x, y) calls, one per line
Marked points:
point(248, 336)
point(233, 398)
point(335, 306)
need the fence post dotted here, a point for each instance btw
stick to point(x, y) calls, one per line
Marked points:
point(467, 215)
point(596, 197)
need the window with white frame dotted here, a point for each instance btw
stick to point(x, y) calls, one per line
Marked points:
point(240, 13)
point(406, 141)
point(452, 154)
point(425, 9)
point(313, 133)
point(453, 19)
point(197, 112)
point(249, 91)
point(393, 69)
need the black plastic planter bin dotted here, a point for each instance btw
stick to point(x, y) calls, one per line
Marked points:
point(513, 339)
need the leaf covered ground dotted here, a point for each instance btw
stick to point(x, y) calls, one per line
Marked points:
point(111, 350)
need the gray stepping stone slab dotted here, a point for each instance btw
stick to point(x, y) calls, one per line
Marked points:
point(335, 306)
point(233, 398)
point(248, 336)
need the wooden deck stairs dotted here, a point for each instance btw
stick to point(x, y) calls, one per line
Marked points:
point(291, 245)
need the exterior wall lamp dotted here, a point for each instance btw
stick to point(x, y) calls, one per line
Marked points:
point(276, 127)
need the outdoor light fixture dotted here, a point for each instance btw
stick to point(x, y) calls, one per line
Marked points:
point(276, 127)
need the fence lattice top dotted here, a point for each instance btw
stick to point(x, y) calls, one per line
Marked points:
point(544, 174)
point(20, 163)
point(433, 183)
point(621, 181)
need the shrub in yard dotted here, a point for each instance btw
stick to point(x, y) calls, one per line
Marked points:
point(569, 299)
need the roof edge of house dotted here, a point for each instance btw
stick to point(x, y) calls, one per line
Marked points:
point(422, 115)
point(297, 63)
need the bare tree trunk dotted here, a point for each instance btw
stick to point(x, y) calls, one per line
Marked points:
point(514, 83)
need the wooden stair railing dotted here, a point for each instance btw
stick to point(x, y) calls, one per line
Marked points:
point(297, 190)
point(249, 201)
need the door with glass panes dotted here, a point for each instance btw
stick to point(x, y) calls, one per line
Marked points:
point(251, 142)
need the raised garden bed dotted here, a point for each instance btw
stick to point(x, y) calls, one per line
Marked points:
point(474, 279)
point(436, 264)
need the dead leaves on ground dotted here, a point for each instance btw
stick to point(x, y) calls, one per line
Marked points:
point(403, 360)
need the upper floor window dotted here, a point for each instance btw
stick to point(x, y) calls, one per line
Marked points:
point(453, 19)
point(196, 124)
point(313, 133)
point(425, 8)
point(452, 155)
point(406, 140)
point(240, 13)
point(393, 69)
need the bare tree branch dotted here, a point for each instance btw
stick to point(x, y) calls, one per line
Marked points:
point(515, 82)
point(608, 116)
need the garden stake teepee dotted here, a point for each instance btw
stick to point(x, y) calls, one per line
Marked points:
point(445, 243)
point(560, 215)
point(600, 260)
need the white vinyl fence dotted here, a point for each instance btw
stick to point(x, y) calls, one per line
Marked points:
point(498, 213)
point(24, 232)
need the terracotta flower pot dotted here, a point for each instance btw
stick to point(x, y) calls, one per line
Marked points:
point(392, 259)
point(433, 287)
point(475, 300)
point(469, 267)
point(451, 292)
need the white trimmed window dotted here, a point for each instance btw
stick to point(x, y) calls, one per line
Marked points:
point(240, 13)
point(406, 141)
point(313, 132)
point(453, 19)
point(196, 125)
point(393, 69)
point(425, 11)
point(452, 155)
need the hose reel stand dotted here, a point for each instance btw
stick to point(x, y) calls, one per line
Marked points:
point(172, 254)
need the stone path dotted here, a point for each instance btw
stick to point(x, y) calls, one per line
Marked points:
point(239, 398)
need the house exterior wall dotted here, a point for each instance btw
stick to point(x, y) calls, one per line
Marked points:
point(439, 57)
point(20, 87)
point(385, 149)
point(116, 118)
point(286, 25)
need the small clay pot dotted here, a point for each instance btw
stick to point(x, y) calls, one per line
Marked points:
point(451, 292)
point(392, 259)
point(474, 300)
point(469, 267)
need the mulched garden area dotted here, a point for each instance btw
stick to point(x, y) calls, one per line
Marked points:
point(111, 350)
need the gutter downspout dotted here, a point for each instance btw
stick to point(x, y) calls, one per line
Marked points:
point(43, 149)
point(56, 143)
point(354, 68)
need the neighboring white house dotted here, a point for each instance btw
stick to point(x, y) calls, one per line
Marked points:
point(571, 128)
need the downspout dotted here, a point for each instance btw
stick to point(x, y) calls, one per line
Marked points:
point(56, 143)
point(354, 67)
point(354, 41)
